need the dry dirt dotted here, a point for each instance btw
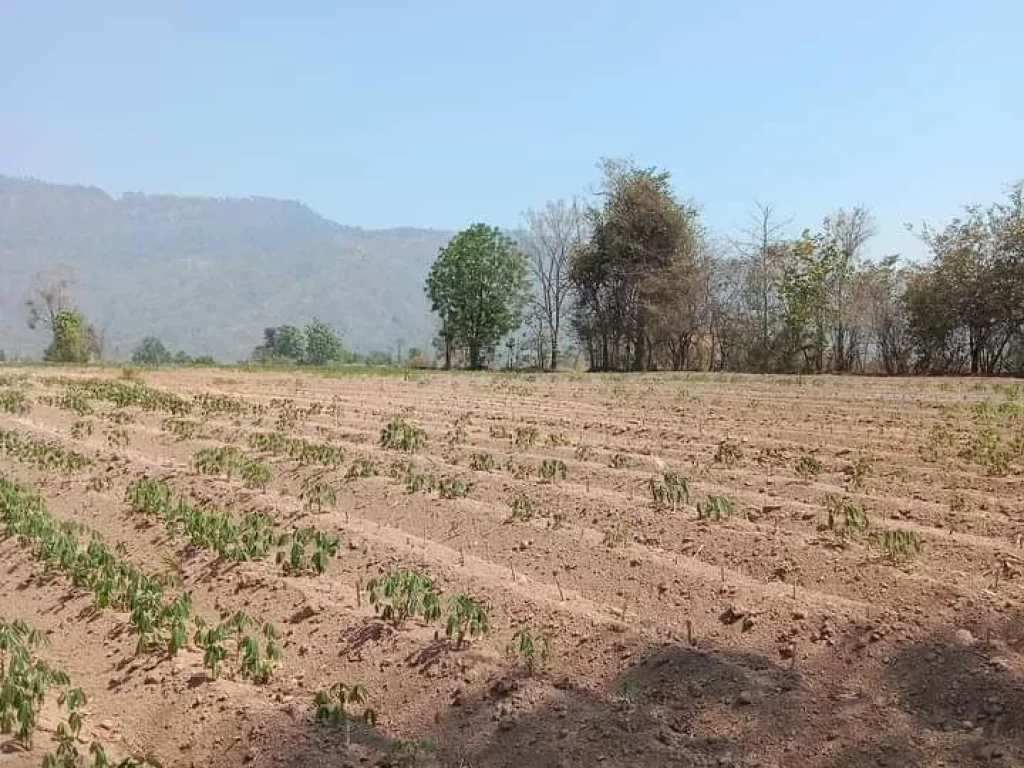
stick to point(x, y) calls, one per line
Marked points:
point(762, 639)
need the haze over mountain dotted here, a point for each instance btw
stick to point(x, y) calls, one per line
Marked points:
point(206, 275)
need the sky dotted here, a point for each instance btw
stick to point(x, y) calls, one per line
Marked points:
point(441, 114)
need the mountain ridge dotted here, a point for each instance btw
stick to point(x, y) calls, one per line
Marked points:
point(207, 274)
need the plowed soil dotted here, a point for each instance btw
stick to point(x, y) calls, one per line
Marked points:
point(760, 637)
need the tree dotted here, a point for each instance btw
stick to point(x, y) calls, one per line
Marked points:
point(847, 232)
point(639, 237)
point(71, 340)
point(282, 343)
point(967, 307)
point(478, 287)
point(151, 351)
point(764, 253)
point(805, 293)
point(323, 345)
point(553, 233)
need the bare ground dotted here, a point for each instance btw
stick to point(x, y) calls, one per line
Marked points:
point(759, 639)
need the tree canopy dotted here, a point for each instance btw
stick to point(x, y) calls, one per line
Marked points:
point(478, 286)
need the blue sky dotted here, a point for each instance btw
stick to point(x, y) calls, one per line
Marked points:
point(444, 113)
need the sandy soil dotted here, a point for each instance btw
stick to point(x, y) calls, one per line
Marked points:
point(761, 639)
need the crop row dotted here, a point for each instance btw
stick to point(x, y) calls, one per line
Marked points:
point(159, 614)
point(40, 453)
point(25, 680)
point(217, 531)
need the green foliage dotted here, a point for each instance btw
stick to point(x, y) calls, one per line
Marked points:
point(81, 429)
point(897, 544)
point(125, 394)
point(40, 453)
point(845, 516)
point(420, 481)
point(15, 401)
point(303, 451)
point(294, 558)
point(255, 474)
point(990, 450)
point(210, 405)
point(182, 429)
point(402, 594)
point(323, 344)
point(533, 652)
point(254, 653)
point(465, 617)
point(117, 438)
point(362, 467)
point(222, 460)
point(526, 437)
point(716, 507)
point(808, 467)
point(400, 435)
point(478, 285)
point(481, 462)
point(151, 351)
point(25, 680)
point(552, 470)
point(618, 461)
point(71, 342)
point(858, 472)
point(728, 452)
point(672, 491)
point(318, 494)
point(333, 708)
point(453, 487)
point(524, 508)
point(206, 527)
point(285, 343)
point(91, 564)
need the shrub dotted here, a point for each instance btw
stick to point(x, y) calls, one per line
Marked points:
point(553, 470)
point(481, 462)
point(716, 507)
point(400, 435)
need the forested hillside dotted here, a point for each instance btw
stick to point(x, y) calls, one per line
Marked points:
point(207, 275)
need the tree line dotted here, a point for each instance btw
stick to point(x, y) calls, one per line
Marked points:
point(632, 280)
point(635, 282)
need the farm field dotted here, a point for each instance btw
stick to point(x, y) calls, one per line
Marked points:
point(512, 570)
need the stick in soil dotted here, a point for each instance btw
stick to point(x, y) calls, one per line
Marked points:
point(512, 567)
point(689, 632)
point(561, 594)
point(359, 593)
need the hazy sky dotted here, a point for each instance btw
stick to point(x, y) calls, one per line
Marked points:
point(443, 113)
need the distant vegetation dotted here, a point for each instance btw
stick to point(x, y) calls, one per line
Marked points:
point(643, 286)
point(634, 281)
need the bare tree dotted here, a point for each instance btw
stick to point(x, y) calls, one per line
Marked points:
point(848, 232)
point(763, 249)
point(52, 293)
point(552, 234)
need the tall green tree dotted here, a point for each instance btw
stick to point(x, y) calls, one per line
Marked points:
point(478, 286)
point(281, 343)
point(72, 341)
point(323, 344)
point(151, 351)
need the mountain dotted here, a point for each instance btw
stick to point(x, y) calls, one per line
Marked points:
point(206, 275)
